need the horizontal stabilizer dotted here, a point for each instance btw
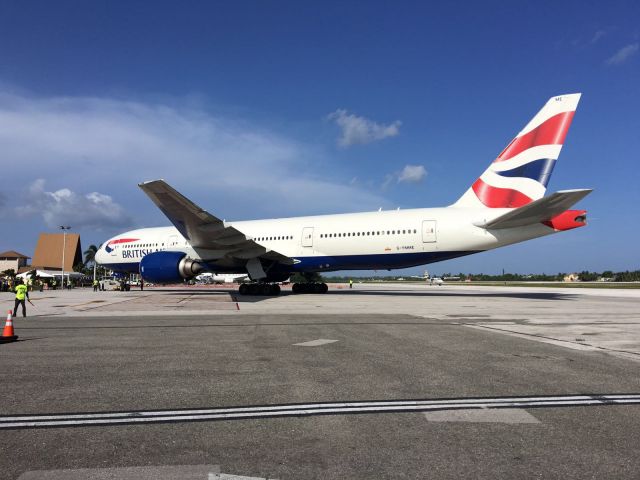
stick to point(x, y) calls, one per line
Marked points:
point(540, 210)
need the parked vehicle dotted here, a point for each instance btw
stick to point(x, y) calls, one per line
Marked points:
point(110, 284)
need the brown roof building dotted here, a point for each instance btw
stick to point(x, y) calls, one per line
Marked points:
point(12, 260)
point(48, 254)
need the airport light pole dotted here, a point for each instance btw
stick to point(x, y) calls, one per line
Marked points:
point(64, 229)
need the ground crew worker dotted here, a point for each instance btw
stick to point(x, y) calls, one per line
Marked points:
point(350, 283)
point(96, 284)
point(22, 293)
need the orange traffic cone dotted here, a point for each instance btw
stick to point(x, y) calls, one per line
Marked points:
point(7, 333)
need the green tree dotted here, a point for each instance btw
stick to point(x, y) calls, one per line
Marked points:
point(587, 276)
point(90, 254)
point(81, 268)
point(9, 273)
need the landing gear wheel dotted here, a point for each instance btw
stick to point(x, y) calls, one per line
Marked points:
point(244, 289)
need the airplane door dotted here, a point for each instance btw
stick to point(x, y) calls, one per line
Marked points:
point(307, 237)
point(428, 231)
point(172, 241)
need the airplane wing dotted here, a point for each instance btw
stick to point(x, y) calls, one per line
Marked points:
point(538, 211)
point(205, 231)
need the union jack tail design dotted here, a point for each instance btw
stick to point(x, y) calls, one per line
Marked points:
point(521, 172)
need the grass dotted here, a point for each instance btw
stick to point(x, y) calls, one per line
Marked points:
point(615, 285)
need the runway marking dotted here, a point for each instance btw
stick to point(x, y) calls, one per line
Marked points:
point(483, 415)
point(182, 472)
point(301, 410)
point(226, 476)
point(580, 345)
point(315, 343)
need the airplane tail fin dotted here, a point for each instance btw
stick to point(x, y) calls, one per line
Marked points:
point(521, 172)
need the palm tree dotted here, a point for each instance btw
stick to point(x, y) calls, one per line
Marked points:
point(90, 254)
point(90, 257)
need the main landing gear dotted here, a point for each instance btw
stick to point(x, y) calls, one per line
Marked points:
point(313, 287)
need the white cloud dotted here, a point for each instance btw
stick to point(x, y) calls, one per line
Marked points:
point(361, 130)
point(231, 167)
point(65, 207)
point(412, 174)
point(597, 36)
point(409, 174)
point(623, 54)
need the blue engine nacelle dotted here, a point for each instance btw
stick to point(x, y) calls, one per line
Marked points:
point(168, 267)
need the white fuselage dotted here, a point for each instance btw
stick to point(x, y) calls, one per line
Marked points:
point(370, 240)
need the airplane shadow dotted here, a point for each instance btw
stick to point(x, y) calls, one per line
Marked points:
point(548, 296)
point(198, 292)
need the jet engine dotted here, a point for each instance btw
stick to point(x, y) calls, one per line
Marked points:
point(168, 267)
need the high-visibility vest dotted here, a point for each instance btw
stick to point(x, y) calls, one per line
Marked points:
point(21, 291)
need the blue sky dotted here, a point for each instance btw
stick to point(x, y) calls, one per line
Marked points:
point(265, 109)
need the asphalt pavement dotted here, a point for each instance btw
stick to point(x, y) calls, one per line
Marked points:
point(132, 364)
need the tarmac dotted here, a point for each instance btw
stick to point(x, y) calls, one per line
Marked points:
point(381, 381)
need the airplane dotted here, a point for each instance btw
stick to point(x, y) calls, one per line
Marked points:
point(505, 205)
point(211, 277)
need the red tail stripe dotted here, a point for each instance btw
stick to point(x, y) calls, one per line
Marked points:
point(551, 132)
point(494, 197)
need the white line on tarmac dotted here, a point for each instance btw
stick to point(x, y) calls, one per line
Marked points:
point(337, 408)
point(315, 343)
point(483, 415)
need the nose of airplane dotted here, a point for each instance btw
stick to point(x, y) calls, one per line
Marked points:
point(100, 255)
